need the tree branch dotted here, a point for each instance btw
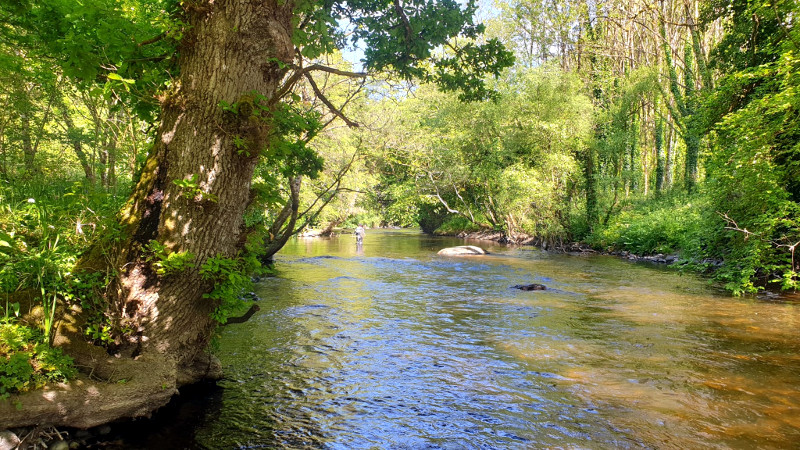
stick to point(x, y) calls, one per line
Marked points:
point(328, 103)
point(152, 40)
point(293, 204)
point(346, 102)
point(336, 183)
point(301, 71)
point(398, 8)
point(158, 58)
point(344, 73)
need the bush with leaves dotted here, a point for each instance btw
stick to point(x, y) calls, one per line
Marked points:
point(44, 225)
point(674, 223)
point(26, 360)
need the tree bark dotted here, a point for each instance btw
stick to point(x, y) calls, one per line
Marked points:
point(281, 231)
point(231, 52)
point(77, 144)
point(29, 154)
point(111, 163)
point(660, 157)
point(234, 48)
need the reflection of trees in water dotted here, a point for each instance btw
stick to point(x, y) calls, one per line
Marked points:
point(751, 358)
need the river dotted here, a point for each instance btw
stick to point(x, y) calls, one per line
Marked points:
point(392, 346)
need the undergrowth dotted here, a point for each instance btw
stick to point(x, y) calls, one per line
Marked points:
point(44, 225)
point(455, 225)
point(709, 241)
point(673, 224)
point(27, 361)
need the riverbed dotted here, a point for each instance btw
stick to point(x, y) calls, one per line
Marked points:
point(391, 346)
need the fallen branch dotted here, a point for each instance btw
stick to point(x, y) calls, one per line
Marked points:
point(244, 317)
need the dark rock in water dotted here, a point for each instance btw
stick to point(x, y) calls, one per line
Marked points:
point(530, 287)
point(249, 296)
point(464, 250)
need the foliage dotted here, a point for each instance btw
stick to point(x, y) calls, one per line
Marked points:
point(401, 38)
point(754, 163)
point(191, 189)
point(168, 263)
point(230, 279)
point(539, 31)
point(665, 225)
point(43, 227)
point(455, 225)
point(502, 165)
point(27, 361)
point(41, 239)
point(431, 217)
point(601, 109)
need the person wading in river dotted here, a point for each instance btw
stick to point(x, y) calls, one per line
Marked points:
point(360, 234)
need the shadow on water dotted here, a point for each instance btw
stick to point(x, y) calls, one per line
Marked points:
point(392, 346)
point(172, 426)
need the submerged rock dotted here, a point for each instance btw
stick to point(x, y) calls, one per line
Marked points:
point(530, 287)
point(59, 445)
point(463, 250)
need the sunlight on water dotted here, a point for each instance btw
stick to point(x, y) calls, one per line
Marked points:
point(396, 347)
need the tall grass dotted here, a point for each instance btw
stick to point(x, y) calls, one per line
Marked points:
point(44, 225)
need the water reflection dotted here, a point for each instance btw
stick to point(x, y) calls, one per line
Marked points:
point(389, 345)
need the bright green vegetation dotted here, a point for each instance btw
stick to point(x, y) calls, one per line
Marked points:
point(26, 360)
point(652, 129)
point(132, 178)
point(44, 225)
point(663, 225)
point(628, 131)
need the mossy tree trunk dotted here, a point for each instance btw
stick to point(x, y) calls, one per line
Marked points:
point(231, 52)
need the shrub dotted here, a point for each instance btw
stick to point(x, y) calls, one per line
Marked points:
point(27, 362)
point(455, 225)
point(667, 225)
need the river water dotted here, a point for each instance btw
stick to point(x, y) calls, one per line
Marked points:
point(392, 346)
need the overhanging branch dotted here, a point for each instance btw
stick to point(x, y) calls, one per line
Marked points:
point(398, 8)
point(300, 72)
point(344, 73)
point(152, 40)
point(328, 103)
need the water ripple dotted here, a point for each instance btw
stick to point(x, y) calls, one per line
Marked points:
point(398, 348)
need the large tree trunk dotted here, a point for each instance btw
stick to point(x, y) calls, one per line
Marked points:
point(219, 63)
point(231, 51)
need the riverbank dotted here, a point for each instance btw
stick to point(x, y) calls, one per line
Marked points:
point(571, 247)
point(163, 429)
point(706, 267)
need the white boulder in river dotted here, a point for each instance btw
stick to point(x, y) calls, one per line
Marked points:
point(464, 250)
